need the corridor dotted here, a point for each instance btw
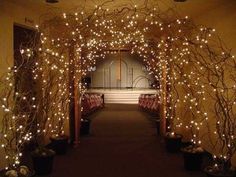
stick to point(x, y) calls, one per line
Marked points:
point(123, 143)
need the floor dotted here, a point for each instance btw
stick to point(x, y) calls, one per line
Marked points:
point(123, 143)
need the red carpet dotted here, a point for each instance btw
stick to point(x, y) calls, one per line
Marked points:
point(123, 143)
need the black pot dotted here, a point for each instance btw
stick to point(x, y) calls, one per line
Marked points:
point(43, 164)
point(210, 173)
point(85, 127)
point(59, 144)
point(173, 143)
point(192, 161)
point(158, 126)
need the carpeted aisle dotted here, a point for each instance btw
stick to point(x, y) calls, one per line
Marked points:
point(123, 143)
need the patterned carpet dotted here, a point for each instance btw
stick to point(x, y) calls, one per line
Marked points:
point(123, 143)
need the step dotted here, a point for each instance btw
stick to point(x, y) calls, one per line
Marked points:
point(124, 96)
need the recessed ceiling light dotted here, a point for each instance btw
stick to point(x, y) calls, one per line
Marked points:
point(52, 1)
point(180, 0)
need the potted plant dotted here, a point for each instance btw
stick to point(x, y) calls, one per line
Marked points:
point(225, 145)
point(42, 156)
point(215, 73)
point(59, 140)
point(18, 115)
point(52, 102)
point(193, 153)
point(193, 157)
point(85, 126)
point(43, 160)
point(173, 142)
point(225, 133)
point(221, 167)
point(59, 143)
point(158, 126)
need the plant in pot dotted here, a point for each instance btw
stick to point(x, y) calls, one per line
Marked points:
point(85, 126)
point(49, 74)
point(42, 156)
point(18, 108)
point(173, 140)
point(52, 71)
point(223, 94)
point(59, 140)
point(193, 157)
point(42, 160)
point(193, 152)
point(183, 101)
point(60, 107)
point(215, 68)
point(59, 143)
point(54, 67)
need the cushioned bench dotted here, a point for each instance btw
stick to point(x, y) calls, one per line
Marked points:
point(91, 102)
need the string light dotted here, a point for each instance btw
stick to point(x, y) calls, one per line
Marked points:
point(176, 52)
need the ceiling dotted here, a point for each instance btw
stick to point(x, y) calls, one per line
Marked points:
point(192, 8)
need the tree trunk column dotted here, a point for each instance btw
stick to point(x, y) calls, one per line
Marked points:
point(75, 97)
point(77, 103)
point(163, 99)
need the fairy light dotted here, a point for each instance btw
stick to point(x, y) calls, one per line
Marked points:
point(167, 47)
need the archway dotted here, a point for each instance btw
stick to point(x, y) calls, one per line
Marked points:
point(166, 43)
point(185, 58)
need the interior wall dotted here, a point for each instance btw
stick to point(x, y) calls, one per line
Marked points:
point(133, 72)
point(222, 18)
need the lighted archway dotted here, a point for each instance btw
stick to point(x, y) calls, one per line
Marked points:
point(167, 43)
point(188, 60)
point(90, 36)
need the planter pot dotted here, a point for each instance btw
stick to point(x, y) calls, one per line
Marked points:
point(85, 127)
point(60, 144)
point(211, 173)
point(192, 160)
point(158, 126)
point(43, 163)
point(173, 143)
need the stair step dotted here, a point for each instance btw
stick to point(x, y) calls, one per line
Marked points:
point(122, 96)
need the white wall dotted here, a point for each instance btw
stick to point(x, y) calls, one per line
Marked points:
point(132, 72)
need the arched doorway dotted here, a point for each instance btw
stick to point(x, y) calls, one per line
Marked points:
point(169, 46)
